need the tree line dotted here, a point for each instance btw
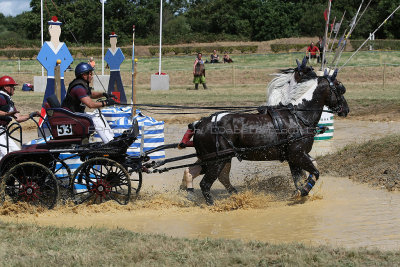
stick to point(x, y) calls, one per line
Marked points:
point(186, 21)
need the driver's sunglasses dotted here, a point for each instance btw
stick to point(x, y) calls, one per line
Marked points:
point(11, 86)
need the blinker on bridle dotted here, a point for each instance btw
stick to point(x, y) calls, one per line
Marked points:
point(334, 89)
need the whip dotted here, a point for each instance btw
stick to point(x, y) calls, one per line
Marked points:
point(358, 49)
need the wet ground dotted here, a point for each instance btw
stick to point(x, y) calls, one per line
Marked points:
point(339, 212)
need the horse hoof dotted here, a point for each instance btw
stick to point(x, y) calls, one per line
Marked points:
point(210, 202)
point(296, 194)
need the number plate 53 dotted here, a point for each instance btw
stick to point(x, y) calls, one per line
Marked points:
point(64, 129)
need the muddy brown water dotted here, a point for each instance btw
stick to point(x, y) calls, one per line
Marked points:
point(339, 212)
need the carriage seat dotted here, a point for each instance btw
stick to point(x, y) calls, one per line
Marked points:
point(67, 125)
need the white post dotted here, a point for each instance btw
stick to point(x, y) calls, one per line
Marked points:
point(41, 26)
point(159, 62)
point(371, 38)
point(102, 37)
point(326, 36)
point(159, 82)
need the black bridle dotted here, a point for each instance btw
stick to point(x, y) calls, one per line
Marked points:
point(334, 90)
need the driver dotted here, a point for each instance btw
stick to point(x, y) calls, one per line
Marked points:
point(7, 113)
point(80, 95)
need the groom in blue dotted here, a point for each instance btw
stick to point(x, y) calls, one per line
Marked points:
point(114, 58)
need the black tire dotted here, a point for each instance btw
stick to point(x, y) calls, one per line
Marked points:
point(101, 179)
point(30, 182)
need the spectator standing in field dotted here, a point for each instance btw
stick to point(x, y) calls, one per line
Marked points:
point(199, 72)
point(214, 57)
point(320, 45)
point(312, 51)
point(92, 62)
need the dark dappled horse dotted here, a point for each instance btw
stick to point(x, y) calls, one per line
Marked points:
point(283, 132)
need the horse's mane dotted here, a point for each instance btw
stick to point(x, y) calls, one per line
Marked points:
point(284, 89)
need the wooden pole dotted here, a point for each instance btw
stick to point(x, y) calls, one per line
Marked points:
point(134, 86)
point(234, 76)
point(384, 75)
point(57, 80)
point(133, 74)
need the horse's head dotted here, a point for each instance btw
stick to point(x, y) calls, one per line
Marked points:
point(303, 72)
point(336, 101)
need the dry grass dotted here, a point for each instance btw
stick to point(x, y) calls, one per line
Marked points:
point(374, 162)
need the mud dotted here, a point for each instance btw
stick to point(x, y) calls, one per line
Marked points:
point(339, 212)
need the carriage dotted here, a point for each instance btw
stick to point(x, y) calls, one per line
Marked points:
point(38, 173)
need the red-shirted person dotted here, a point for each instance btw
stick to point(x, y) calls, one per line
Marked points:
point(312, 51)
point(7, 112)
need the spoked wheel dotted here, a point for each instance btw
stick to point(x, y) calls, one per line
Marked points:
point(99, 180)
point(30, 182)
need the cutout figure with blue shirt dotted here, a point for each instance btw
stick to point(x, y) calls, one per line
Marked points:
point(114, 58)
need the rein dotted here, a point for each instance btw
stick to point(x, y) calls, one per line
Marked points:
point(235, 109)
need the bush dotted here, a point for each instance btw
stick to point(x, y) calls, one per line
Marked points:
point(189, 50)
point(379, 44)
point(22, 53)
point(276, 48)
point(18, 43)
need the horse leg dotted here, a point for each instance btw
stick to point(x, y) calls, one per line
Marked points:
point(211, 174)
point(305, 162)
point(297, 174)
point(224, 178)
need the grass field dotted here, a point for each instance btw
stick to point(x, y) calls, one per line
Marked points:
point(372, 86)
point(23, 245)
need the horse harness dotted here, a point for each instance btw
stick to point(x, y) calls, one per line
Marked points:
point(284, 137)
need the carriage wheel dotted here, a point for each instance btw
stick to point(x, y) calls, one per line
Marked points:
point(99, 180)
point(136, 181)
point(30, 182)
point(63, 175)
